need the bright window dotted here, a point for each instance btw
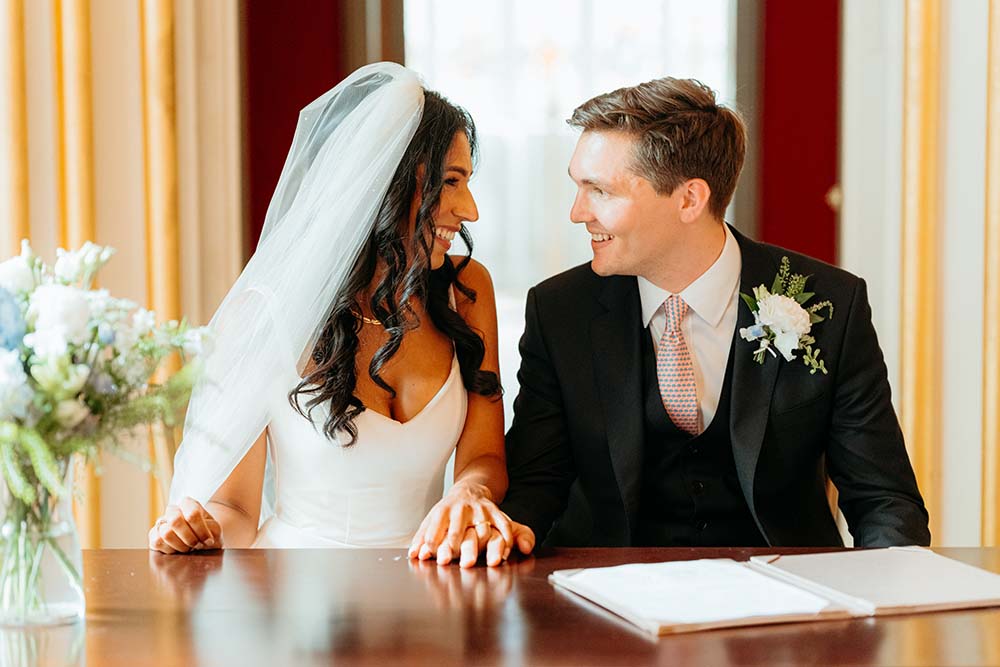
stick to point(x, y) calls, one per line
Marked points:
point(520, 68)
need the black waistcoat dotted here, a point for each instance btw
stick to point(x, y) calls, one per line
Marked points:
point(691, 495)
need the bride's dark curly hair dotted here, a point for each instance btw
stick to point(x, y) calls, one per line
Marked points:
point(406, 257)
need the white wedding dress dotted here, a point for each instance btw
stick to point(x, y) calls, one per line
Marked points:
point(374, 493)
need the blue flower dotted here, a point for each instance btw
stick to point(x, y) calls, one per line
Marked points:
point(12, 326)
point(105, 333)
point(753, 332)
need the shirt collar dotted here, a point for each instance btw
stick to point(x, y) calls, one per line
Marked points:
point(709, 295)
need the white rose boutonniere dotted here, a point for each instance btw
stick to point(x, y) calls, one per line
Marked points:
point(783, 321)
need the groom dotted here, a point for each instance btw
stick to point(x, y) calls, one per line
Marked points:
point(643, 417)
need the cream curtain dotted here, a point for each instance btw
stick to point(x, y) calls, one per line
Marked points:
point(991, 291)
point(920, 165)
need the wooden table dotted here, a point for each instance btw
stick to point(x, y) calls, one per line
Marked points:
point(284, 608)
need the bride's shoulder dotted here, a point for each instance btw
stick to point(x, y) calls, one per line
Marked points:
point(476, 277)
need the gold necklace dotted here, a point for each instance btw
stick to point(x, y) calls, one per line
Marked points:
point(366, 320)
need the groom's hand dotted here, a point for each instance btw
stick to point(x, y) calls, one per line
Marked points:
point(185, 527)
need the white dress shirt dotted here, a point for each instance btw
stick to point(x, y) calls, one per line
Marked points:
point(713, 300)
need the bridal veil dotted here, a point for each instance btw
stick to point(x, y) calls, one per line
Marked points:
point(347, 146)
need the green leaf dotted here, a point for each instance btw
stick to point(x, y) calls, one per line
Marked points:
point(777, 287)
point(814, 318)
point(8, 431)
point(802, 297)
point(72, 445)
point(12, 472)
point(750, 301)
point(42, 461)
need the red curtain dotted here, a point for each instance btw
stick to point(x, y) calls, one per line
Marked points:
point(799, 125)
point(294, 53)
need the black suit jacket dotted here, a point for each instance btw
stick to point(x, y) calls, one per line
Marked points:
point(578, 420)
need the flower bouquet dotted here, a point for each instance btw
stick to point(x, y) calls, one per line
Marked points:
point(782, 319)
point(75, 379)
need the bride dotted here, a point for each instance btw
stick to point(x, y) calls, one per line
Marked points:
point(353, 355)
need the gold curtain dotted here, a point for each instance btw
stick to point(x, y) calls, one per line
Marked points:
point(920, 349)
point(13, 129)
point(991, 293)
point(162, 223)
point(91, 148)
point(75, 188)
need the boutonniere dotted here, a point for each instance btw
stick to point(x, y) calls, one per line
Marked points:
point(783, 321)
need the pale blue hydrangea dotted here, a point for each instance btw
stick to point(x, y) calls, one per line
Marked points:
point(12, 326)
point(753, 332)
point(105, 333)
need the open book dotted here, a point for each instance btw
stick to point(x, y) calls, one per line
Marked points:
point(683, 596)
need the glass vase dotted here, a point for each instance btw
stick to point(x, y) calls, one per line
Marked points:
point(40, 559)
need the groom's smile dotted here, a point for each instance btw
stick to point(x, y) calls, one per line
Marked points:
point(625, 217)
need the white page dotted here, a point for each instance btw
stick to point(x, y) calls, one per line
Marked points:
point(892, 578)
point(691, 592)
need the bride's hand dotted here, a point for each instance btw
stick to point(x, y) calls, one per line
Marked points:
point(185, 527)
point(465, 523)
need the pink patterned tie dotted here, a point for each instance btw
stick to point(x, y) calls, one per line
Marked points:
point(675, 370)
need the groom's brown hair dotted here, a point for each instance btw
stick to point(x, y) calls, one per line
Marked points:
point(680, 132)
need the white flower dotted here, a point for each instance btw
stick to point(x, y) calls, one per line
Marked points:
point(143, 322)
point(91, 253)
point(69, 266)
point(26, 252)
point(16, 275)
point(129, 328)
point(60, 312)
point(787, 344)
point(196, 342)
point(100, 303)
point(95, 256)
point(80, 265)
point(133, 369)
point(15, 392)
point(783, 315)
point(70, 413)
point(59, 378)
point(48, 344)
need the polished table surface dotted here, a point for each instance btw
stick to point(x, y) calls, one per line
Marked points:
point(300, 607)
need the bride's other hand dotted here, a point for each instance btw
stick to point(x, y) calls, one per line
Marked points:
point(185, 527)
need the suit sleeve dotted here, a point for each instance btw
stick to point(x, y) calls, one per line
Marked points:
point(539, 458)
point(866, 456)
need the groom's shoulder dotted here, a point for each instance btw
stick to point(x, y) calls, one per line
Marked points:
point(833, 277)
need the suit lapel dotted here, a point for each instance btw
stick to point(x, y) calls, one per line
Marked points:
point(616, 337)
point(753, 384)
